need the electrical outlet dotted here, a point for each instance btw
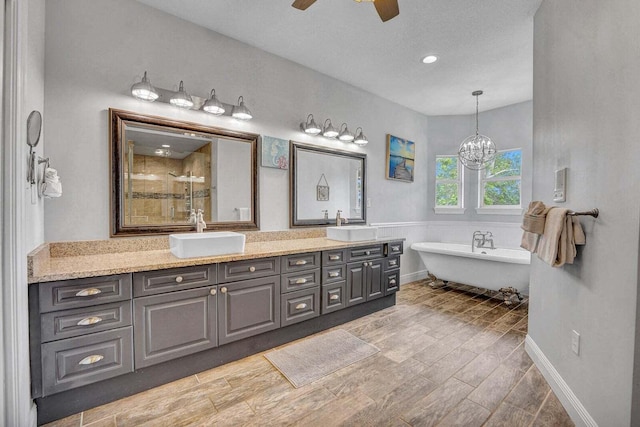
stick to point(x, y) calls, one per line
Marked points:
point(575, 342)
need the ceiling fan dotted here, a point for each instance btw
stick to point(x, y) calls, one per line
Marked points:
point(387, 9)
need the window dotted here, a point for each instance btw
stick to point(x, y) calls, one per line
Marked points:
point(449, 181)
point(499, 190)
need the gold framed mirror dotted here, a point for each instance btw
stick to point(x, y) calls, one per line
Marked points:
point(163, 171)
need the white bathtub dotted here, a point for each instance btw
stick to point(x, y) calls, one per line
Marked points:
point(485, 268)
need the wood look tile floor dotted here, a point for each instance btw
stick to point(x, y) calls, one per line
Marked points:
point(449, 356)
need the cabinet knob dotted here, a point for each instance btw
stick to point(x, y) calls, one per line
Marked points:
point(334, 297)
point(223, 290)
point(90, 360)
point(301, 306)
point(213, 291)
point(301, 281)
point(179, 279)
point(334, 257)
point(367, 252)
point(365, 264)
point(301, 262)
point(334, 273)
point(392, 281)
point(252, 269)
point(88, 292)
point(89, 321)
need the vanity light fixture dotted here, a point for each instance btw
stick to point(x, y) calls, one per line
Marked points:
point(144, 90)
point(360, 139)
point(329, 131)
point(345, 135)
point(310, 126)
point(181, 98)
point(212, 105)
point(476, 151)
point(240, 111)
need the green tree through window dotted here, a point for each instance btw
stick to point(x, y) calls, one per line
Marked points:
point(501, 180)
point(448, 182)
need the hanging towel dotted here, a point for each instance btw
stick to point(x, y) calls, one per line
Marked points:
point(243, 214)
point(533, 225)
point(562, 233)
point(51, 185)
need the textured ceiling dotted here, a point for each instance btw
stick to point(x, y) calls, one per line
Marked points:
point(482, 44)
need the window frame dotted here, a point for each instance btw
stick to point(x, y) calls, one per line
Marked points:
point(499, 209)
point(459, 209)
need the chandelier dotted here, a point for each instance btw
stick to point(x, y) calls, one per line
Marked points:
point(477, 150)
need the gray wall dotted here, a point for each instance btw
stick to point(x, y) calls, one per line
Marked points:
point(509, 127)
point(586, 108)
point(95, 50)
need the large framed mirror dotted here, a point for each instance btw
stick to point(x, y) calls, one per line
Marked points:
point(324, 181)
point(165, 170)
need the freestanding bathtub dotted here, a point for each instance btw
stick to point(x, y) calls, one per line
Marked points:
point(485, 268)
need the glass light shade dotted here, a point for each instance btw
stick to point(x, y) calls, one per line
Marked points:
point(311, 127)
point(329, 131)
point(360, 138)
point(213, 106)
point(345, 135)
point(181, 98)
point(144, 90)
point(240, 111)
point(476, 151)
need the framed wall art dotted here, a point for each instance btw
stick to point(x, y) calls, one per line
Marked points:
point(401, 156)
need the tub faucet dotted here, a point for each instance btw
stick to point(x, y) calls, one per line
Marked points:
point(488, 238)
point(481, 239)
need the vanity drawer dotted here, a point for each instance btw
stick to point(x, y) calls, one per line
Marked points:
point(364, 252)
point(391, 282)
point(391, 263)
point(249, 269)
point(86, 292)
point(173, 279)
point(298, 262)
point(333, 274)
point(333, 297)
point(81, 321)
point(299, 306)
point(334, 257)
point(300, 280)
point(393, 248)
point(79, 361)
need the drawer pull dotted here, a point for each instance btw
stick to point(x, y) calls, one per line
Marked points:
point(88, 292)
point(395, 248)
point(392, 281)
point(252, 269)
point(89, 321)
point(90, 360)
point(334, 273)
point(301, 262)
point(392, 262)
point(334, 257)
point(367, 252)
point(301, 306)
point(365, 264)
point(334, 297)
point(179, 279)
point(213, 291)
point(301, 281)
point(223, 290)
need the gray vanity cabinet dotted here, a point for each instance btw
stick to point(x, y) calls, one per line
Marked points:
point(248, 308)
point(364, 281)
point(174, 324)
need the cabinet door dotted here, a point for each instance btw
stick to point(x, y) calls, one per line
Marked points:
point(175, 324)
point(375, 286)
point(391, 281)
point(248, 308)
point(356, 283)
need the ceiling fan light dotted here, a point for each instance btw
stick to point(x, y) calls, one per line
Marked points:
point(329, 131)
point(360, 139)
point(213, 106)
point(345, 135)
point(181, 98)
point(240, 111)
point(144, 90)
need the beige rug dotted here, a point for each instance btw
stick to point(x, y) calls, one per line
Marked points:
point(309, 360)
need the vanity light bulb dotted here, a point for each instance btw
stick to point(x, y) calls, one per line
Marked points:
point(144, 91)
point(181, 98)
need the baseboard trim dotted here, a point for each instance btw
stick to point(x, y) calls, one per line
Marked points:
point(412, 277)
point(576, 410)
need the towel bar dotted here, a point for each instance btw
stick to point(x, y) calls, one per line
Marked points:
point(593, 212)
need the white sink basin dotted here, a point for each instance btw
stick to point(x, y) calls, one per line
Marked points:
point(190, 245)
point(352, 233)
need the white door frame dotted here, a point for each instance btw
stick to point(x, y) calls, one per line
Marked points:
point(17, 406)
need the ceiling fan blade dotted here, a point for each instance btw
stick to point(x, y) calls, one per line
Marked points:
point(303, 4)
point(387, 9)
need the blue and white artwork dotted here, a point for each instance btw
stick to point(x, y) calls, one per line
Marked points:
point(401, 155)
point(275, 152)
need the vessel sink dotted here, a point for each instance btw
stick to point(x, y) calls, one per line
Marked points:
point(352, 233)
point(190, 245)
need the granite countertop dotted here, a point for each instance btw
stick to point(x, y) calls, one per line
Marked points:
point(100, 258)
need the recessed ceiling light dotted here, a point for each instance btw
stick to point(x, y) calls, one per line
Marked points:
point(166, 146)
point(429, 59)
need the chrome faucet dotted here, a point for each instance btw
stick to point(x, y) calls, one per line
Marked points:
point(200, 222)
point(480, 239)
point(339, 219)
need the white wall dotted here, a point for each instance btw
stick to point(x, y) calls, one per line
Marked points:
point(509, 127)
point(586, 108)
point(94, 52)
